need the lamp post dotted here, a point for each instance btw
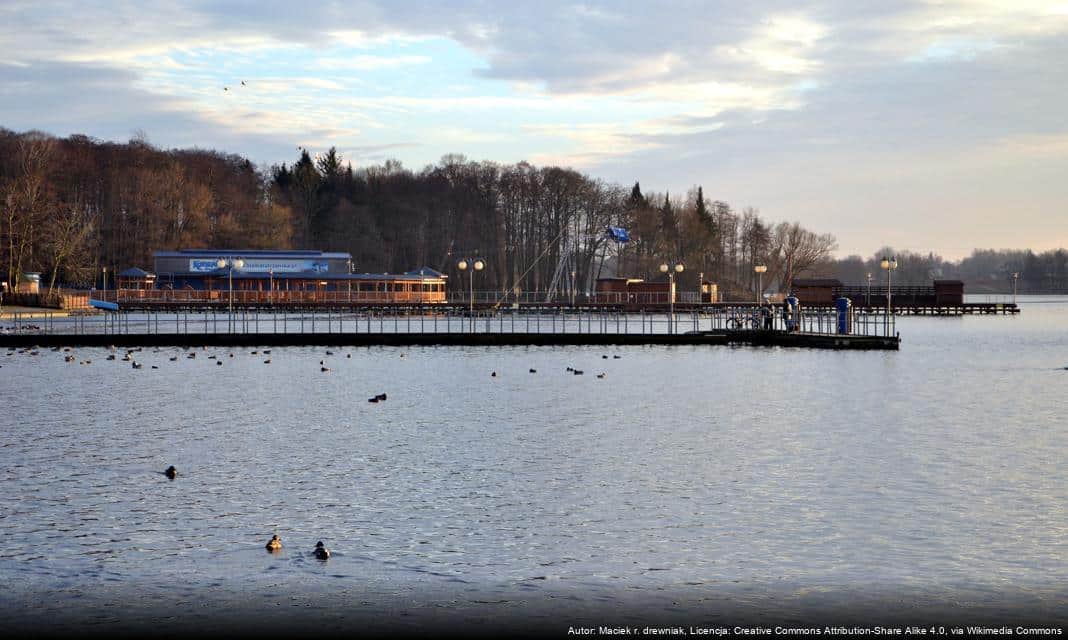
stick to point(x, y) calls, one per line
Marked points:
point(760, 269)
point(105, 283)
point(868, 298)
point(471, 266)
point(1015, 277)
point(671, 270)
point(230, 264)
point(889, 264)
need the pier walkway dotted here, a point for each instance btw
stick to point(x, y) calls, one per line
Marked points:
point(421, 326)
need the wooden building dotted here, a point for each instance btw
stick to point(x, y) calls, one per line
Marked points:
point(274, 277)
point(816, 290)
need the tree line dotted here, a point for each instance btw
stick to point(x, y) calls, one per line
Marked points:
point(71, 207)
point(75, 206)
point(985, 270)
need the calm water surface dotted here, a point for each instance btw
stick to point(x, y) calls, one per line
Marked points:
point(690, 484)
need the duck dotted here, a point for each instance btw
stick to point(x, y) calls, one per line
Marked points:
point(171, 472)
point(218, 362)
point(274, 544)
point(533, 370)
point(493, 375)
point(321, 552)
point(577, 372)
point(383, 397)
point(174, 358)
point(267, 361)
point(601, 375)
point(324, 369)
point(136, 365)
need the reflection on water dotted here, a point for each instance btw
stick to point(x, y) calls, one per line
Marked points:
point(708, 479)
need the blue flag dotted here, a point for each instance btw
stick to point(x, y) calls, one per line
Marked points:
point(619, 234)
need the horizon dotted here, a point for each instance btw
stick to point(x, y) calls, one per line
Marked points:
point(937, 121)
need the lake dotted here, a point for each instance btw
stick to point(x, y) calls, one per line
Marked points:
point(688, 485)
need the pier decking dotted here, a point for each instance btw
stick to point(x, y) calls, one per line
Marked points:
point(420, 326)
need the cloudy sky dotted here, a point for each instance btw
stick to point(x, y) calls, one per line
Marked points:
point(926, 125)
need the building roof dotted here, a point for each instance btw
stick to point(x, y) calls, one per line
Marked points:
point(134, 272)
point(426, 271)
point(960, 282)
point(303, 275)
point(251, 253)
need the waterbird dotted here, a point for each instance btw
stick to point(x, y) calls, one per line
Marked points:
point(112, 357)
point(383, 397)
point(136, 364)
point(218, 362)
point(570, 369)
point(616, 357)
point(267, 361)
point(604, 357)
point(321, 552)
point(171, 472)
point(577, 372)
point(329, 353)
point(374, 399)
point(348, 355)
point(275, 543)
point(243, 83)
point(255, 353)
point(533, 370)
point(324, 369)
point(174, 358)
point(267, 351)
point(155, 367)
point(600, 375)
point(493, 375)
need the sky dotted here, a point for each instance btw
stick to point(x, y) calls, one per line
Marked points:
point(923, 125)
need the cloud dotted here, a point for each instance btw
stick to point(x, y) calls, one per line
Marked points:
point(368, 62)
point(819, 110)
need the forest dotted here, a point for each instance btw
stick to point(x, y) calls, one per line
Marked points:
point(71, 207)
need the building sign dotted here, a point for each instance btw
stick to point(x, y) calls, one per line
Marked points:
point(278, 265)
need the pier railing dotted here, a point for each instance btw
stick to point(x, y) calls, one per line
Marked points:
point(420, 320)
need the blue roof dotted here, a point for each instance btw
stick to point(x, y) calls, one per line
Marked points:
point(426, 271)
point(134, 272)
point(303, 275)
point(257, 253)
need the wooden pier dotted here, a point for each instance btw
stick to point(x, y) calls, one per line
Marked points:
point(708, 338)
